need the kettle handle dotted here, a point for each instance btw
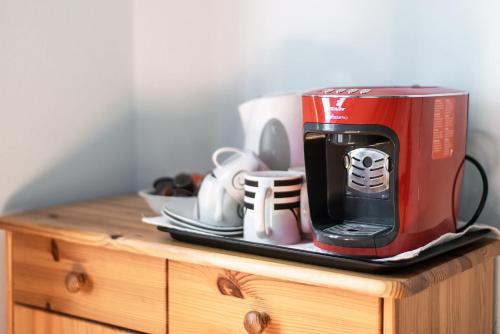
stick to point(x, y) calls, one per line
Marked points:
point(222, 150)
point(484, 196)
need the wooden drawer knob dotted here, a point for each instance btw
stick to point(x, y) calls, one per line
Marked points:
point(75, 282)
point(255, 322)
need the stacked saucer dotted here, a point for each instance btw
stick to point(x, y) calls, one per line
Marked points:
point(181, 212)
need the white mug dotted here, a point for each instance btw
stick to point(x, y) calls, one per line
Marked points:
point(215, 206)
point(272, 202)
point(231, 172)
point(305, 215)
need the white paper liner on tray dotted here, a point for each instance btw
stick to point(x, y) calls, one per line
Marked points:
point(441, 240)
point(307, 245)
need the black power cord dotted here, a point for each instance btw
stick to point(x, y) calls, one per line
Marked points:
point(484, 196)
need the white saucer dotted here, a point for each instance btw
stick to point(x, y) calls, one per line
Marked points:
point(183, 209)
point(200, 225)
point(177, 223)
point(164, 221)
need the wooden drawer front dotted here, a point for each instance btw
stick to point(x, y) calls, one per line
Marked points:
point(213, 300)
point(118, 288)
point(32, 321)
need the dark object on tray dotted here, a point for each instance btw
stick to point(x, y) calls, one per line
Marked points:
point(182, 185)
point(184, 181)
point(317, 258)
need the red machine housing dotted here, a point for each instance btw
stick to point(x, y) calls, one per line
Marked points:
point(431, 126)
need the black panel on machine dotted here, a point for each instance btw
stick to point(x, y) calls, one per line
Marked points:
point(352, 170)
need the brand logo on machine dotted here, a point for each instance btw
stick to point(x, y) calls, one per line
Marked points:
point(338, 105)
point(333, 112)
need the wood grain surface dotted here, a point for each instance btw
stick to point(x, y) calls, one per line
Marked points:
point(119, 288)
point(32, 321)
point(9, 301)
point(199, 303)
point(462, 304)
point(115, 223)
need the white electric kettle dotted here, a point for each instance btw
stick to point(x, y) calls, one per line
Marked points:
point(273, 130)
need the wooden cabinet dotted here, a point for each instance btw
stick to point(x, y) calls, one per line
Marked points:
point(213, 300)
point(92, 267)
point(28, 320)
point(460, 304)
point(113, 287)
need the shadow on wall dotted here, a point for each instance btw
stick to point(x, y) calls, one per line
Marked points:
point(479, 146)
point(179, 135)
point(179, 132)
point(101, 165)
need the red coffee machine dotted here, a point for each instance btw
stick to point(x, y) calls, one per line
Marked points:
point(384, 166)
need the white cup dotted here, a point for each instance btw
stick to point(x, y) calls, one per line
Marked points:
point(272, 202)
point(231, 172)
point(215, 206)
point(305, 215)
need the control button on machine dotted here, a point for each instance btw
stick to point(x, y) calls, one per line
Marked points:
point(352, 90)
point(367, 162)
point(340, 90)
point(365, 91)
point(328, 91)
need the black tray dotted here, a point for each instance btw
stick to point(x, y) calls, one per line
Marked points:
point(321, 259)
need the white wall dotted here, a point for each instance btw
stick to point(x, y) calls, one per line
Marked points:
point(66, 129)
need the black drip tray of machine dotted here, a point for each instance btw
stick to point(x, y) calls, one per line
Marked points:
point(357, 229)
point(315, 256)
